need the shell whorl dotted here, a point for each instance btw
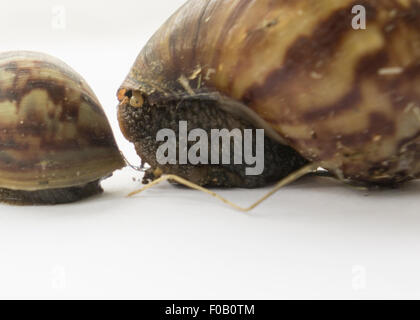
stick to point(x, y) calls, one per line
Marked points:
point(53, 130)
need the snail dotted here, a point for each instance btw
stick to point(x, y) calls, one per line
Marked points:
point(56, 144)
point(326, 93)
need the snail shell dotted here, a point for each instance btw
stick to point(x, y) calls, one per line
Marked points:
point(346, 98)
point(55, 140)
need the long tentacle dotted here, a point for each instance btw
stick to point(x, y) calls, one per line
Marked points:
point(289, 179)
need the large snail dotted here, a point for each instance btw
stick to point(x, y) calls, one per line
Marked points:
point(338, 97)
point(55, 141)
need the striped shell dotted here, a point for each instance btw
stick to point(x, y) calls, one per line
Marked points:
point(53, 131)
point(344, 97)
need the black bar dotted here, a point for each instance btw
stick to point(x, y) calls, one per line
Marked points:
point(215, 310)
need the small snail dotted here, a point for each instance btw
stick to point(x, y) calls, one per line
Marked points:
point(55, 141)
point(326, 93)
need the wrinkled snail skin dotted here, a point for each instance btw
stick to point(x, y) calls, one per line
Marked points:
point(55, 141)
point(344, 97)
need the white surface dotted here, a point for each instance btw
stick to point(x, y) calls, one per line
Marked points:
point(314, 239)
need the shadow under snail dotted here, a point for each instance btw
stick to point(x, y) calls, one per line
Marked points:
point(328, 95)
point(55, 141)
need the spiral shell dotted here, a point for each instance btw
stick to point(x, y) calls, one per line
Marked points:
point(349, 99)
point(53, 131)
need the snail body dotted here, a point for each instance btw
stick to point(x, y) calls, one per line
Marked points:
point(55, 141)
point(344, 98)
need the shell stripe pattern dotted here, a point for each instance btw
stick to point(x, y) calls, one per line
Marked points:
point(53, 131)
point(344, 96)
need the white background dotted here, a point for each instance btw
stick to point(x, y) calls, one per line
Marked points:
point(313, 239)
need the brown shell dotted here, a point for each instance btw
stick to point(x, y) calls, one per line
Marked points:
point(349, 98)
point(53, 130)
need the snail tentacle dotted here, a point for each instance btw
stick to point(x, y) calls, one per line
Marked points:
point(289, 179)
